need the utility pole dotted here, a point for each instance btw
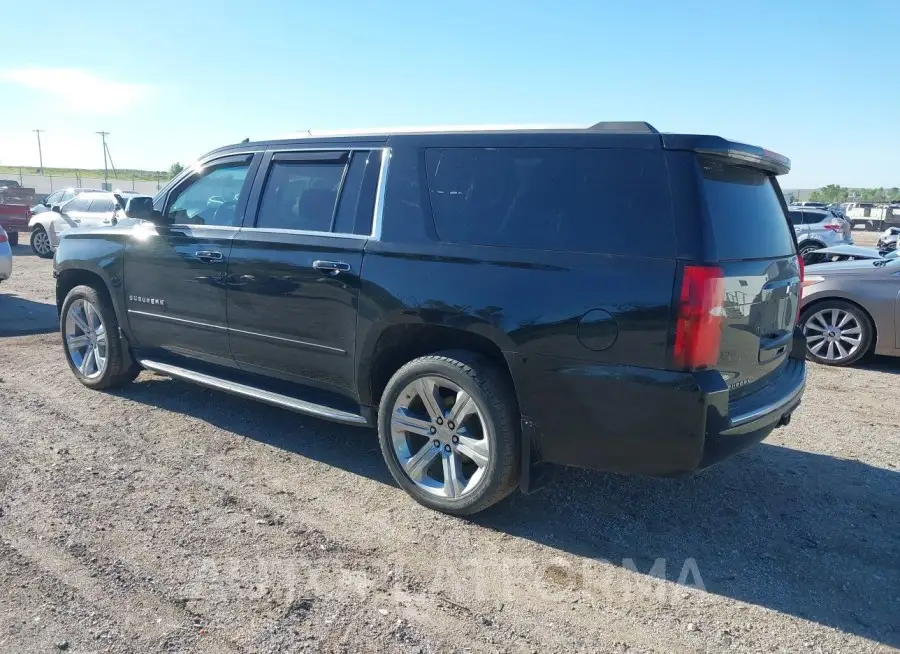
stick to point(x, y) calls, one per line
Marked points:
point(103, 136)
point(40, 153)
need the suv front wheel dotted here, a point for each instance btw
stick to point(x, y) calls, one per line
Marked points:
point(94, 347)
point(448, 430)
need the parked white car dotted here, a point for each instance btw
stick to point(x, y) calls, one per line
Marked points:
point(89, 209)
point(60, 197)
point(5, 256)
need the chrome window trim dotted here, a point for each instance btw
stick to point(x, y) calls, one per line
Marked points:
point(375, 233)
point(303, 232)
point(224, 228)
point(378, 217)
point(339, 148)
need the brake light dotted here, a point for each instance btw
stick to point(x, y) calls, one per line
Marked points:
point(833, 227)
point(3, 237)
point(698, 330)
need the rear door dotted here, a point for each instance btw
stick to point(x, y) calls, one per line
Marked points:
point(294, 271)
point(754, 247)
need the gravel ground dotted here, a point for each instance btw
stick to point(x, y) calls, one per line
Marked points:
point(165, 517)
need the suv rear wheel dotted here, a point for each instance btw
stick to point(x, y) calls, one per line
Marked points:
point(94, 347)
point(448, 430)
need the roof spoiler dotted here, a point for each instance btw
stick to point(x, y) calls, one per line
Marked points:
point(740, 153)
point(630, 126)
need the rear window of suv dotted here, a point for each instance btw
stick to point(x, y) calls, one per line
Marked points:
point(586, 200)
point(747, 217)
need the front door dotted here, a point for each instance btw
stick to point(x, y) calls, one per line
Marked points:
point(294, 270)
point(175, 271)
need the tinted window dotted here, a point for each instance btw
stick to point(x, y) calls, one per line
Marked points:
point(553, 199)
point(747, 218)
point(796, 217)
point(348, 206)
point(102, 205)
point(80, 203)
point(300, 195)
point(209, 197)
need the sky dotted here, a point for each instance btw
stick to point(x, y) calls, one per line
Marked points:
point(812, 79)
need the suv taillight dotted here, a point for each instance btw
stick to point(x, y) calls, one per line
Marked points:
point(3, 238)
point(698, 330)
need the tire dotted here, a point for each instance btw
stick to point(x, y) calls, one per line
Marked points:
point(808, 247)
point(40, 243)
point(13, 238)
point(119, 368)
point(489, 431)
point(816, 320)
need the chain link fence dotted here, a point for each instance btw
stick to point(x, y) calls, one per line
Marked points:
point(44, 185)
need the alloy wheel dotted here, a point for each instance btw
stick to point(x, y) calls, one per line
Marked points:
point(41, 242)
point(833, 334)
point(86, 339)
point(439, 437)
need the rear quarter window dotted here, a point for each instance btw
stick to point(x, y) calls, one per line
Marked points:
point(745, 212)
point(585, 200)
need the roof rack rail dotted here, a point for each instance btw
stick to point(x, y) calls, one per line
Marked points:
point(631, 126)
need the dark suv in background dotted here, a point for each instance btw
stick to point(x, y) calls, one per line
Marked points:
point(611, 297)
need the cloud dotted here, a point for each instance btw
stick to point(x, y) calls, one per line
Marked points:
point(80, 91)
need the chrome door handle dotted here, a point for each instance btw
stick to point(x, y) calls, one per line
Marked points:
point(331, 267)
point(207, 256)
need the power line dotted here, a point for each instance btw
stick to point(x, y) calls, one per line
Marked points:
point(103, 136)
point(40, 153)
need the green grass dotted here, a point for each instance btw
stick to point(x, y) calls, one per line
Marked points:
point(12, 172)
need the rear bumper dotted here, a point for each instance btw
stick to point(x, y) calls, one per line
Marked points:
point(752, 418)
point(651, 422)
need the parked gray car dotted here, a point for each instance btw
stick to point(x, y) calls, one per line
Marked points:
point(819, 228)
point(848, 309)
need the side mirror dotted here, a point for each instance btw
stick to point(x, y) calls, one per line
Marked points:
point(142, 209)
point(55, 208)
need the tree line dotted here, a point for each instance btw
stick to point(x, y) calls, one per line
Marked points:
point(837, 193)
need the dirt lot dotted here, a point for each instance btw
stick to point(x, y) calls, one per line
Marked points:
point(165, 517)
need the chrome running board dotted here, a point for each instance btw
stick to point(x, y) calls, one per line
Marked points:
point(275, 399)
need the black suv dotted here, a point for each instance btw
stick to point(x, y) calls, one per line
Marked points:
point(611, 297)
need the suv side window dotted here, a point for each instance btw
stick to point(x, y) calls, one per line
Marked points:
point(586, 200)
point(812, 217)
point(796, 217)
point(54, 198)
point(209, 197)
point(300, 195)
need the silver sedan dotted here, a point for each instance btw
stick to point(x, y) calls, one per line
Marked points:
point(849, 308)
point(5, 256)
